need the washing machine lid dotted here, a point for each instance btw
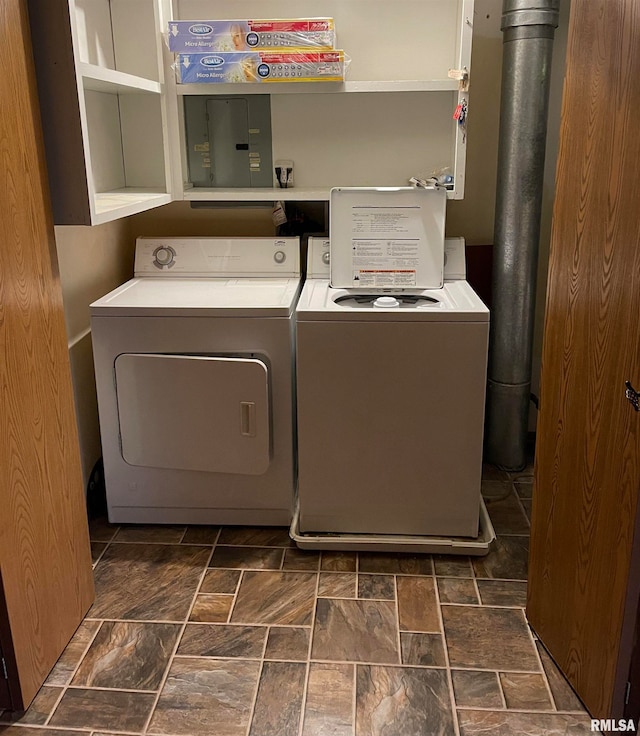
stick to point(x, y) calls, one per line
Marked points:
point(387, 237)
point(160, 297)
point(456, 301)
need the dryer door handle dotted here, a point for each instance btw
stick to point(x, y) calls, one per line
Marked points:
point(247, 418)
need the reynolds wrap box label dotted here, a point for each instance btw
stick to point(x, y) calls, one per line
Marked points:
point(245, 35)
point(261, 66)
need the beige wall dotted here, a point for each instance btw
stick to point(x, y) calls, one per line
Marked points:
point(473, 216)
point(178, 218)
point(95, 260)
point(92, 260)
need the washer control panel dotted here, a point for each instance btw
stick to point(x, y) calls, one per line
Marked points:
point(198, 257)
point(318, 257)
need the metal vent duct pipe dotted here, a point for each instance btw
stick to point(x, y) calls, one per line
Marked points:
point(528, 29)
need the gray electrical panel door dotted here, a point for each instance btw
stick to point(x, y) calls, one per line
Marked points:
point(229, 142)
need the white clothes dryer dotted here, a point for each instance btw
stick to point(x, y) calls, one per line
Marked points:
point(194, 374)
point(390, 388)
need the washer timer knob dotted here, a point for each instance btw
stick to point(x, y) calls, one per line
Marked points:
point(279, 256)
point(163, 257)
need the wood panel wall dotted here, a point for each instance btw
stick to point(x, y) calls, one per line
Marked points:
point(45, 562)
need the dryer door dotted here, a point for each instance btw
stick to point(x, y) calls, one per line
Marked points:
point(194, 412)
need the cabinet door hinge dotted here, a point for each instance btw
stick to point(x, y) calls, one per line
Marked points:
point(5, 674)
point(627, 692)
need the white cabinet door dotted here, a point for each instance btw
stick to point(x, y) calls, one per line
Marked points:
point(194, 412)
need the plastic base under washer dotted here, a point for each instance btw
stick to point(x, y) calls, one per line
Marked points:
point(476, 546)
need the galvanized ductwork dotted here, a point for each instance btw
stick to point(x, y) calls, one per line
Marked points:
point(528, 29)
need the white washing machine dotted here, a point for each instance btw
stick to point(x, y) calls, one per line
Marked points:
point(194, 372)
point(390, 381)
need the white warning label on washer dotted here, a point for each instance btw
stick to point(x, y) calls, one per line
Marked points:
point(385, 262)
point(385, 278)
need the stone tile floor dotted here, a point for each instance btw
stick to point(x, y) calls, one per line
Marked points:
point(235, 632)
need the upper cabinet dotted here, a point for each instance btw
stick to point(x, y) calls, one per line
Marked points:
point(390, 120)
point(119, 141)
point(101, 88)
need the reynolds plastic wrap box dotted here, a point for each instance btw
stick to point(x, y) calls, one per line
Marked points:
point(261, 66)
point(245, 35)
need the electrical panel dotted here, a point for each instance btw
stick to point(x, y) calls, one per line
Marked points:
point(229, 140)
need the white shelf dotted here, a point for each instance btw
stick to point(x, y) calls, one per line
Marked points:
point(299, 194)
point(100, 79)
point(258, 194)
point(124, 202)
point(402, 85)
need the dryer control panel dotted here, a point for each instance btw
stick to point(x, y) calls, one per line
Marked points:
point(217, 257)
point(164, 257)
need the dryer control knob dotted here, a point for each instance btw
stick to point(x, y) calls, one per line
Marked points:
point(279, 256)
point(163, 256)
point(326, 258)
